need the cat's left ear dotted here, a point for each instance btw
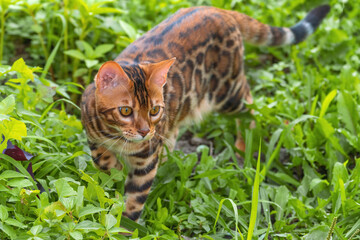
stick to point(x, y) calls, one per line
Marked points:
point(157, 72)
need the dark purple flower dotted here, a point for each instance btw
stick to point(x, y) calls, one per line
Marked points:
point(16, 153)
point(20, 155)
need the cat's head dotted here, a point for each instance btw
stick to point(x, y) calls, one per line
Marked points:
point(130, 98)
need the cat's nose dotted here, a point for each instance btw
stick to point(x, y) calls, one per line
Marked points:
point(143, 132)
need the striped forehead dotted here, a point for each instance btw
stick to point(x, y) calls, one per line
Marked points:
point(138, 77)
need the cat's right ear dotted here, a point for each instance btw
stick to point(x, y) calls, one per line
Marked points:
point(111, 75)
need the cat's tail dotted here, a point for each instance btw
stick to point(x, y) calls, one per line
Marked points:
point(255, 32)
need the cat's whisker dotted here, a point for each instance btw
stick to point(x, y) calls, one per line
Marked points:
point(107, 149)
point(167, 141)
point(124, 144)
point(110, 139)
point(127, 90)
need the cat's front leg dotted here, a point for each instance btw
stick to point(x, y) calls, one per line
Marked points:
point(103, 158)
point(143, 167)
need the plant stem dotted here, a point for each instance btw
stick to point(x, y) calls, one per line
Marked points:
point(42, 42)
point(88, 80)
point(65, 70)
point(82, 37)
point(2, 35)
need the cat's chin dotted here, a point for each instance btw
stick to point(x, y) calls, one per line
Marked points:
point(139, 140)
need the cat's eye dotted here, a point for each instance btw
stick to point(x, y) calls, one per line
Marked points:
point(154, 110)
point(125, 111)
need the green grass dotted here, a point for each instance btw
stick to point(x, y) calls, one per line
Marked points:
point(306, 107)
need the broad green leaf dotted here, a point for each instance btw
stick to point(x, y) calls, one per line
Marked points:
point(15, 223)
point(4, 189)
point(325, 104)
point(7, 105)
point(44, 140)
point(336, 35)
point(121, 230)
point(90, 63)
point(343, 196)
point(79, 198)
point(36, 28)
point(7, 230)
point(89, 209)
point(75, 53)
point(19, 166)
point(110, 221)
point(287, 178)
point(52, 210)
point(317, 232)
point(339, 172)
point(88, 178)
point(13, 129)
point(299, 207)
point(64, 189)
point(76, 235)
point(281, 198)
point(20, 67)
point(328, 131)
point(68, 202)
point(347, 111)
point(3, 213)
point(20, 183)
point(102, 49)
point(326, 127)
point(11, 174)
point(35, 230)
point(248, 147)
point(88, 225)
point(129, 30)
point(89, 51)
point(317, 185)
point(60, 213)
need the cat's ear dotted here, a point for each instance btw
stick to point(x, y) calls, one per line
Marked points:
point(111, 75)
point(157, 72)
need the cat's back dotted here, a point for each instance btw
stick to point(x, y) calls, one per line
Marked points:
point(180, 34)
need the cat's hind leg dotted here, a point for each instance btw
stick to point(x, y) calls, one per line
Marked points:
point(240, 142)
point(237, 95)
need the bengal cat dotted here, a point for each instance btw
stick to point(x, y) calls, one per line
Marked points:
point(186, 67)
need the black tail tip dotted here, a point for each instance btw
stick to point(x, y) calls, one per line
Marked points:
point(316, 15)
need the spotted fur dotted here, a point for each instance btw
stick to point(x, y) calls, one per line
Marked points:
point(208, 75)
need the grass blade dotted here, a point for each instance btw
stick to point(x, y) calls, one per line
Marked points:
point(236, 216)
point(50, 59)
point(325, 104)
point(131, 225)
point(255, 198)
